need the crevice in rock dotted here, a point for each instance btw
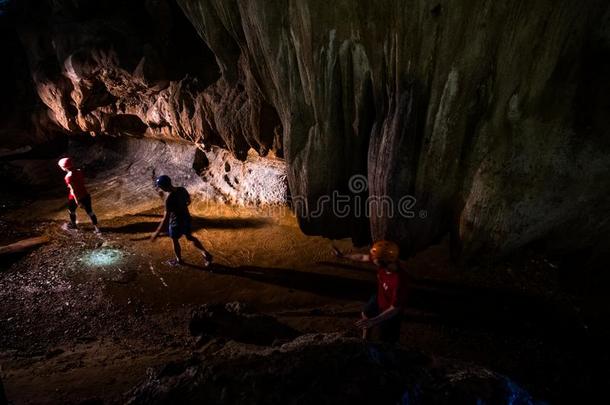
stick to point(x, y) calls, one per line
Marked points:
point(126, 123)
point(200, 162)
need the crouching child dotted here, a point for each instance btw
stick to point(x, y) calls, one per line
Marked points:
point(384, 309)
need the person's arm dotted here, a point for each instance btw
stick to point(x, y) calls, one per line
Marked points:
point(73, 193)
point(356, 257)
point(384, 316)
point(70, 188)
point(161, 226)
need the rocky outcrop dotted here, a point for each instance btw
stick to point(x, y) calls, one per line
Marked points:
point(486, 121)
point(138, 68)
point(491, 115)
point(210, 175)
point(3, 400)
point(256, 181)
point(233, 321)
point(324, 369)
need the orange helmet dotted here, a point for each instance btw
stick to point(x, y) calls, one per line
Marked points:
point(65, 163)
point(385, 251)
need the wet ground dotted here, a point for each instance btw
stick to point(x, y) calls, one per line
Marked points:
point(84, 316)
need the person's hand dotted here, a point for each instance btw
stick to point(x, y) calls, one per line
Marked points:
point(366, 323)
point(336, 251)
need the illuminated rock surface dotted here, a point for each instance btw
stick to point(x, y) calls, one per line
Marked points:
point(490, 114)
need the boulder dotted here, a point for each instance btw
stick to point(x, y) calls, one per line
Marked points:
point(324, 369)
point(231, 322)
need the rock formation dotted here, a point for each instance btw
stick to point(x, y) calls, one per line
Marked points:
point(232, 321)
point(491, 115)
point(3, 400)
point(485, 120)
point(137, 68)
point(324, 369)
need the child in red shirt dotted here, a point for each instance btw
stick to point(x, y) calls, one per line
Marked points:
point(78, 194)
point(384, 309)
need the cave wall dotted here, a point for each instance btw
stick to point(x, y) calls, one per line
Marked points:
point(20, 111)
point(492, 115)
point(137, 68)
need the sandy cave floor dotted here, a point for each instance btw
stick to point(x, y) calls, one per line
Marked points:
point(73, 330)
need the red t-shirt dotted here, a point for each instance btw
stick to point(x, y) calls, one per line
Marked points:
point(391, 289)
point(76, 179)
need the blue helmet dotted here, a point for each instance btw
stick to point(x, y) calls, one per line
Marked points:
point(164, 181)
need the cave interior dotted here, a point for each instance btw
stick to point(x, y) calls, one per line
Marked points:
point(472, 135)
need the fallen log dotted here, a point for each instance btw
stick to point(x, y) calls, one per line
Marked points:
point(23, 245)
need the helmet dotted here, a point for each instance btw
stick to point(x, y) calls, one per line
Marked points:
point(163, 181)
point(385, 251)
point(65, 163)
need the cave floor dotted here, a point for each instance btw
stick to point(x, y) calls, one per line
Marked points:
point(84, 316)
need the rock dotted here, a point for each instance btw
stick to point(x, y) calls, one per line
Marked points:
point(161, 82)
point(23, 245)
point(230, 321)
point(3, 400)
point(315, 369)
point(456, 114)
point(53, 353)
point(254, 182)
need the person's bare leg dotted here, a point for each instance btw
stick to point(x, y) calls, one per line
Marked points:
point(72, 220)
point(177, 250)
point(94, 221)
point(199, 246)
point(72, 212)
point(365, 331)
point(89, 210)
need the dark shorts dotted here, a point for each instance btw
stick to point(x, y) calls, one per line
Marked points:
point(84, 202)
point(389, 330)
point(182, 228)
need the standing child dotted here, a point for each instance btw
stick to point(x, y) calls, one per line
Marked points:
point(384, 309)
point(179, 218)
point(78, 194)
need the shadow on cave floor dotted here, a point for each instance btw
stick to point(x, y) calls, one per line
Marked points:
point(337, 287)
point(197, 223)
point(493, 310)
